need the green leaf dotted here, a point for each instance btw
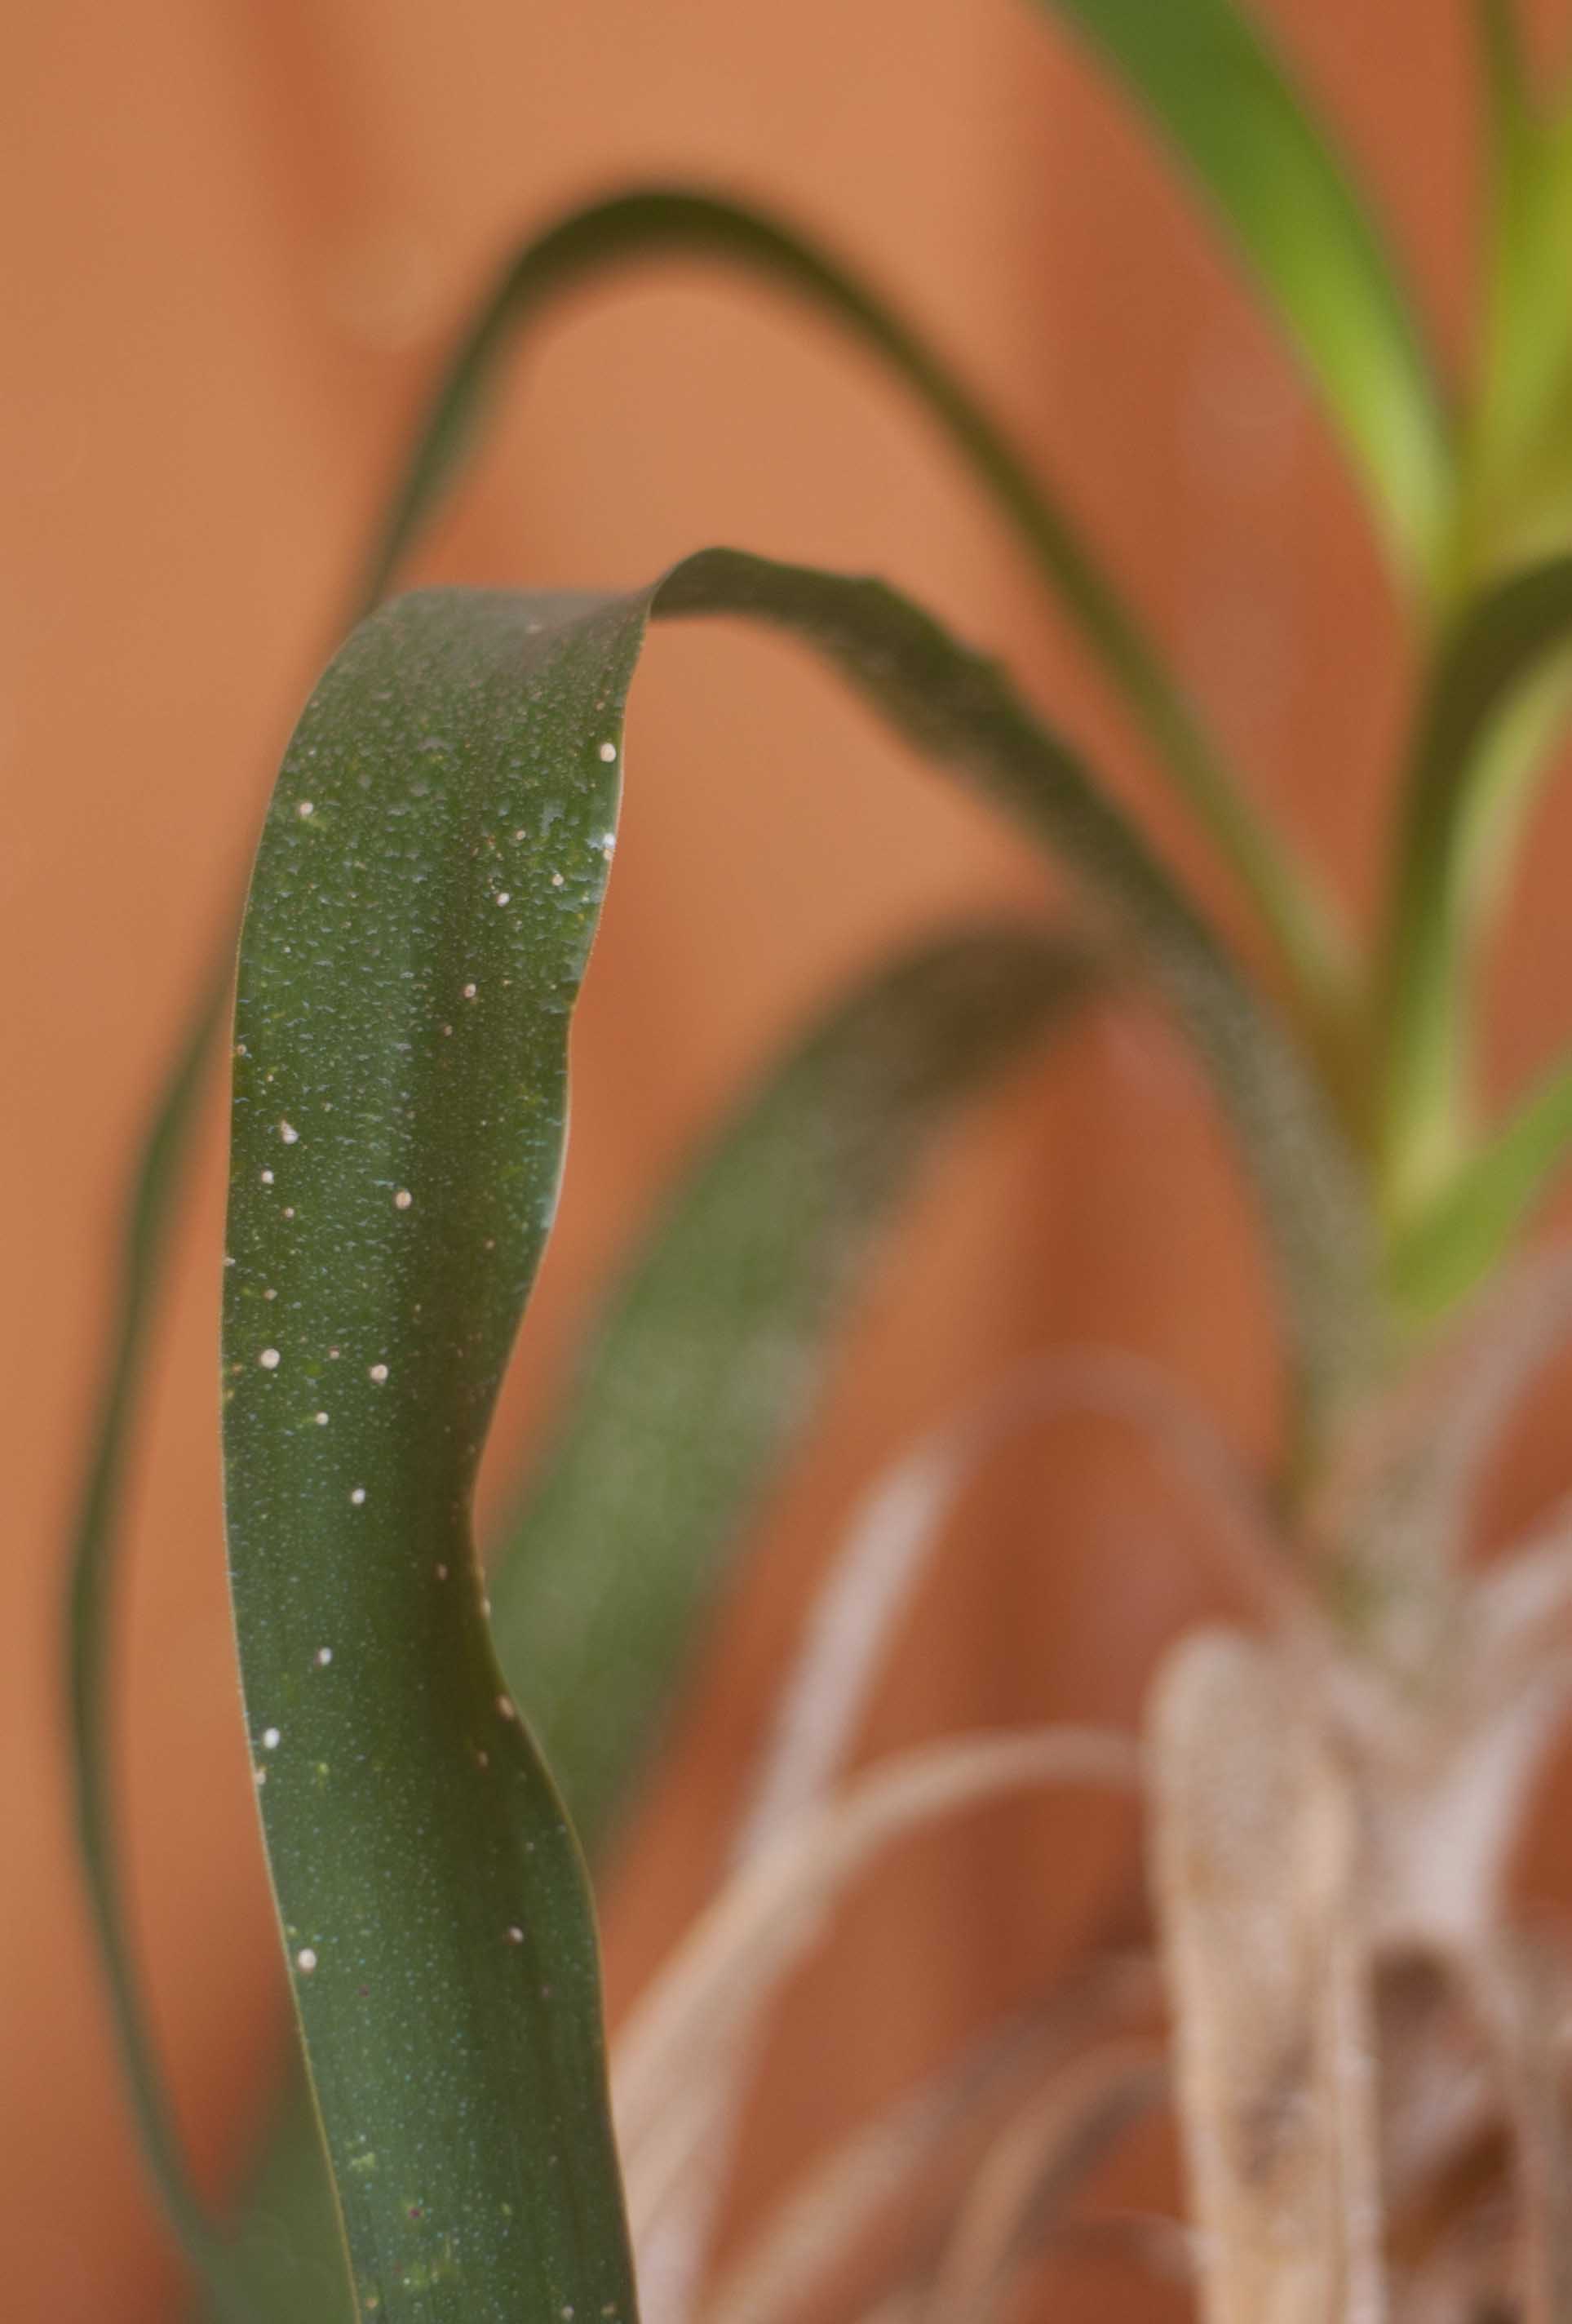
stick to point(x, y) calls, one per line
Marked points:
point(707, 1361)
point(144, 1236)
point(1212, 84)
point(1520, 481)
point(424, 901)
point(1498, 693)
point(961, 711)
point(1464, 1233)
point(654, 222)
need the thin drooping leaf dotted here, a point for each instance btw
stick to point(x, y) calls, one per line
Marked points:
point(1209, 80)
point(1255, 1863)
point(706, 1362)
point(424, 901)
point(646, 223)
point(1495, 696)
point(145, 1235)
point(961, 711)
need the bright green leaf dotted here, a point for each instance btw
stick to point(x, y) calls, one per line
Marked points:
point(1210, 81)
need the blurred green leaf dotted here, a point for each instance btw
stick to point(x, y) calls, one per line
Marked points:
point(144, 1236)
point(1520, 481)
point(424, 901)
point(960, 711)
point(707, 1360)
point(1497, 694)
point(1211, 82)
point(1472, 1224)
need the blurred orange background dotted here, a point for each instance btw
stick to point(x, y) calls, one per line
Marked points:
point(238, 238)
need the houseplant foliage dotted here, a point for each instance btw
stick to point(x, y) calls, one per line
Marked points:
point(1330, 1799)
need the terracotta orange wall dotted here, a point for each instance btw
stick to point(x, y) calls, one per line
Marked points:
point(236, 238)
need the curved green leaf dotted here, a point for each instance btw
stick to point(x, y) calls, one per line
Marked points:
point(1210, 81)
point(960, 711)
point(1498, 693)
point(657, 221)
point(425, 897)
point(706, 1362)
point(1472, 1224)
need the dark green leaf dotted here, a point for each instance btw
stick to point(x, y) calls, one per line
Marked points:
point(1210, 81)
point(423, 905)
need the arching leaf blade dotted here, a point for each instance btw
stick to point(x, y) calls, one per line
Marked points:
point(648, 223)
point(959, 711)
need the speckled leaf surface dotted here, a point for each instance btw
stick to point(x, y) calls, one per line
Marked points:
point(424, 901)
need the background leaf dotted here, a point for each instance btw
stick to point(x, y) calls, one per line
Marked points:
point(704, 1368)
point(961, 711)
point(1211, 83)
point(424, 901)
point(1497, 688)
